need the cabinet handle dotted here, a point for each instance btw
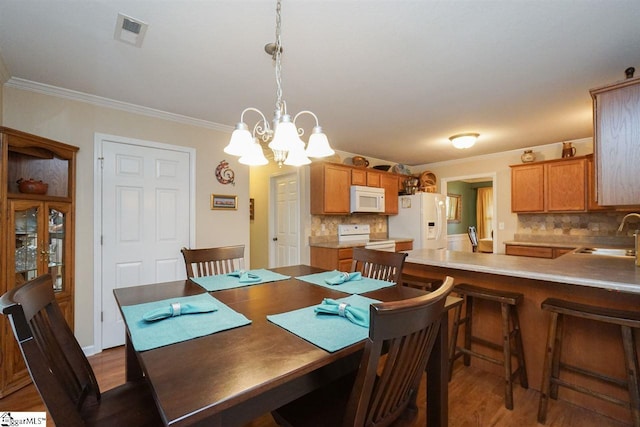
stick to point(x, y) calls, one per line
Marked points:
point(45, 254)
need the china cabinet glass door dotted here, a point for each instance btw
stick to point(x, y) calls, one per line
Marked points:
point(40, 241)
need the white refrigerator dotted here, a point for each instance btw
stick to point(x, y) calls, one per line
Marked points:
point(422, 217)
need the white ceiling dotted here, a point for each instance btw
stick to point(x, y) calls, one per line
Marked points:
point(391, 79)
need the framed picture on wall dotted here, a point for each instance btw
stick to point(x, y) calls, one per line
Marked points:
point(224, 202)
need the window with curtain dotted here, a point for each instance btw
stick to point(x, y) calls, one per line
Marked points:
point(484, 212)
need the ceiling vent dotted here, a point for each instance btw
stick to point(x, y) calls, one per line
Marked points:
point(130, 30)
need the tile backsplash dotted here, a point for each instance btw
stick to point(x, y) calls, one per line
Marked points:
point(324, 228)
point(587, 228)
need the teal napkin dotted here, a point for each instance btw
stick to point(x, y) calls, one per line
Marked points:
point(356, 315)
point(342, 277)
point(245, 276)
point(178, 309)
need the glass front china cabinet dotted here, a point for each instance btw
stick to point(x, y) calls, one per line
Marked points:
point(38, 207)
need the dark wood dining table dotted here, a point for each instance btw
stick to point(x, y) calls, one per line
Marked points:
point(231, 377)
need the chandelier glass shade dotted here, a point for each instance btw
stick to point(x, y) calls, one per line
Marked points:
point(282, 134)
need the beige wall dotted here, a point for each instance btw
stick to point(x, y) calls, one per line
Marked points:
point(4, 76)
point(76, 122)
point(260, 182)
point(498, 164)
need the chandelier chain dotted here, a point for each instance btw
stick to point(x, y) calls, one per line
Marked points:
point(278, 58)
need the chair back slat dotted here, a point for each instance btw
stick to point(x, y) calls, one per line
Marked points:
point(473, 237)
point(59, 369)
point(212, 261)
point(379, 265)
point(401, 337)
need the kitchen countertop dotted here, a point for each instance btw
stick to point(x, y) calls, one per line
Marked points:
point(604, 272)
point(334, 244)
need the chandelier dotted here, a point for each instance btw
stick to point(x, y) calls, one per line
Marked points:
point(282, 135)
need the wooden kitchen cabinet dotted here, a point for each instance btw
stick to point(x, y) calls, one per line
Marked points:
point(566, 185)
point(551, 186)
point(536, 251)
point(330, 189)
point(359, 176)
point(616, 109)
point(341, 258)
point(37, 231)
point(373, 179)
point(404, 246)
point(331, 258)
point(390, 184)
point(527, 188)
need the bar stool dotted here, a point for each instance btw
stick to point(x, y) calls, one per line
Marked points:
point(627, 320)
point(426, 284)
point(511, 345)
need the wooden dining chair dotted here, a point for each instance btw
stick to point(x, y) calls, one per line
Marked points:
point(211, 261)
point(383, 390)
point(379, 265)
point(60, 370)
point(473, 237)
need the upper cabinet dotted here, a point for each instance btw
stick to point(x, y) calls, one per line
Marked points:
point(330, 184)
point(330, 187)
point(616, 120)
point(551, 186)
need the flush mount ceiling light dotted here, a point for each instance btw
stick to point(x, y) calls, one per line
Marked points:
point(282, 134)
point(464, 140)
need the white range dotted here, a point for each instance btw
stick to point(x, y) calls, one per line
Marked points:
point(360, 233)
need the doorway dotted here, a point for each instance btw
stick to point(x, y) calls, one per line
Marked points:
point(285, 202)
point(144, 214)
point(458, 238)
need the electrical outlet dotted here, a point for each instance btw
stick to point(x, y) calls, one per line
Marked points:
point(501, 226)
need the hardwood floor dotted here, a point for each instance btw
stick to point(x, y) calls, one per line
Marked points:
point(475, 400)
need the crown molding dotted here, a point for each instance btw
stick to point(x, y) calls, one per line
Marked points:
point(111, 103)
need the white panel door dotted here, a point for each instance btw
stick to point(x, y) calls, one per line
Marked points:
point(145, 222)
point(287, 220)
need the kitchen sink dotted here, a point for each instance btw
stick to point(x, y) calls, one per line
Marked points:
point(607, 252)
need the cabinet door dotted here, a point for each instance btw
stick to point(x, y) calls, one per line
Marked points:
point(358, 177)
point(330, 189)
point(592, 204)
point(617, 147)
point(566, 185)
point(390, 185)
point(24, 262)
point(57, 248)
point(527, 188)
point(373, 179)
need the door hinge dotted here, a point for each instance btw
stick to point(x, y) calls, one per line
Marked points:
point(102, 316)
point(101, 160)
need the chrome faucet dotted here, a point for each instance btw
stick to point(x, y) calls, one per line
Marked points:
point(636, 235)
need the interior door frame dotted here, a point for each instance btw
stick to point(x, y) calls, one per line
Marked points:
point(492, 176)
point(98, 140)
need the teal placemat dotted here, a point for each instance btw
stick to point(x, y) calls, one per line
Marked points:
point(220, 282)
point(350, 287)
point(328, 332)
point(149, 335)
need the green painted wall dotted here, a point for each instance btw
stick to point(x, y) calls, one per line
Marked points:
point(468, 199)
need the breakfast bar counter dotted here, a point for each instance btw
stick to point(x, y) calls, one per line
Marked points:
point(607, 281)
point(614, 273)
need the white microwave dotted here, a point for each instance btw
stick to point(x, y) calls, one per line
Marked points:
point(367, 199)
